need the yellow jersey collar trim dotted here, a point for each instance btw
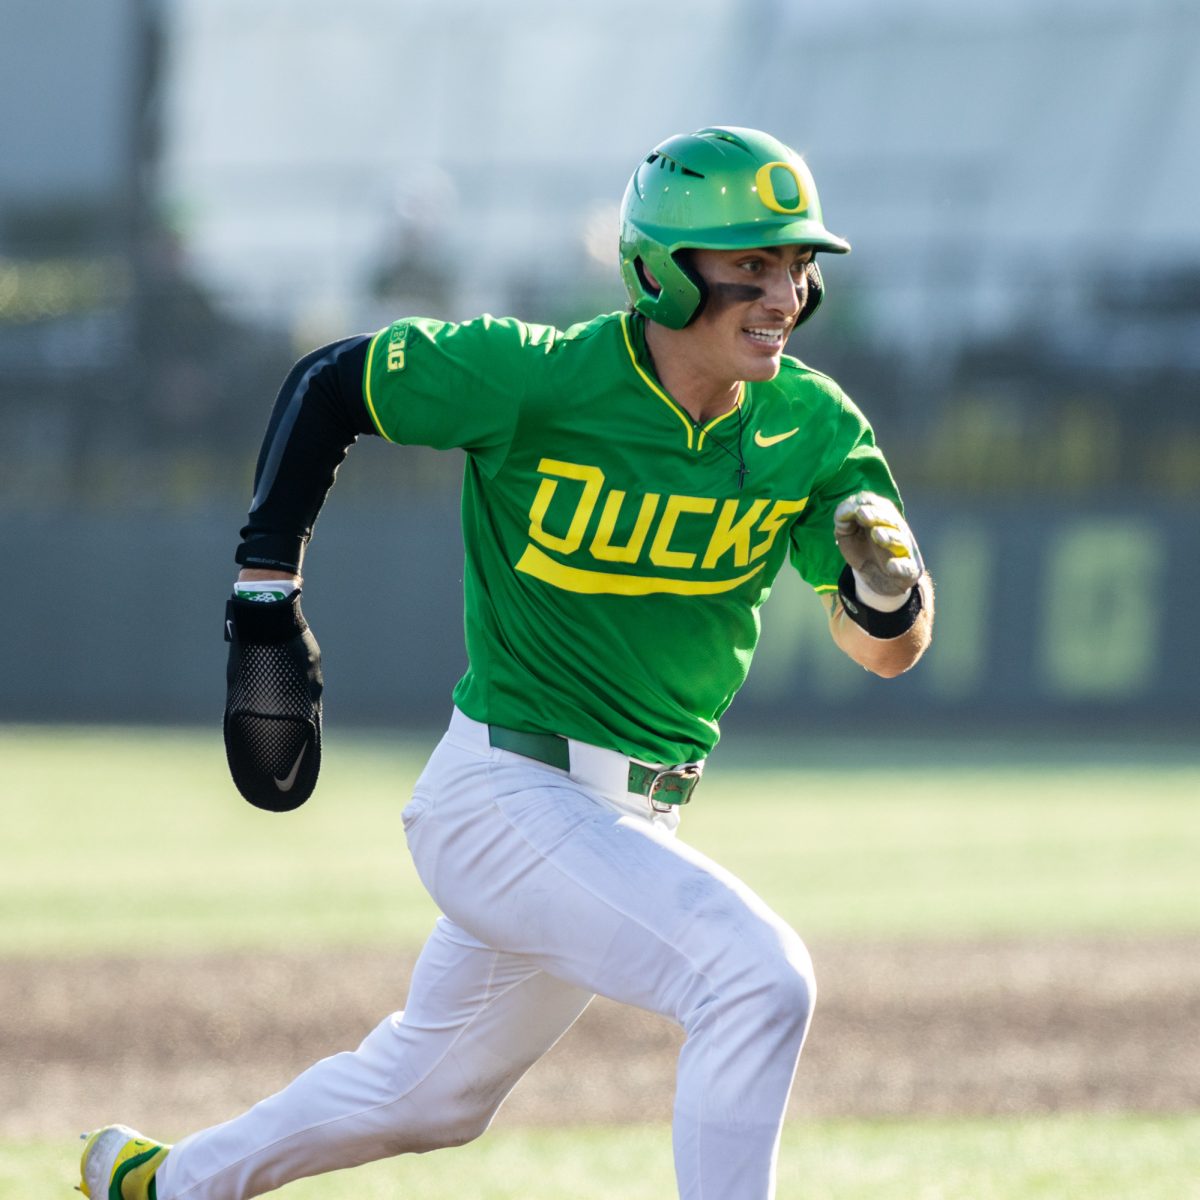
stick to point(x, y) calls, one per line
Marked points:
point(637, 366)
point(737, 404)
point(688, 424)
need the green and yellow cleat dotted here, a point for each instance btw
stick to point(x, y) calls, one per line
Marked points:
point(119, 1164)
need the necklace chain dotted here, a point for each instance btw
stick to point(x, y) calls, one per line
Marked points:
point(742, 469)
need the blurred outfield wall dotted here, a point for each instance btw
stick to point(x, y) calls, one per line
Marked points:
point(1051, 615)
point(1020, 318)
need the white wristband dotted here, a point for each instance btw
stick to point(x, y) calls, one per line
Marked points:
point(876, 600)
point(264, 590)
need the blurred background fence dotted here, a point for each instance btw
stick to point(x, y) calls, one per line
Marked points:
point(195, 192)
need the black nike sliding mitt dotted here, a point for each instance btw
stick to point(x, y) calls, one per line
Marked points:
point(273, 703)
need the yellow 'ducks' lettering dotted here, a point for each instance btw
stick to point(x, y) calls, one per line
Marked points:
point(568, 497)
point(595, 583)
point(731, 534)
point(602, 545)
point(773, 522)
point(661, 555)
point(592, 479)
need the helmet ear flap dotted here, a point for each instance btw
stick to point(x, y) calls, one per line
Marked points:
point(815, 293)
point(660, 286)
point(684, 260)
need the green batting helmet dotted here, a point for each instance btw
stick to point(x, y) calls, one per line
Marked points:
point(721, 188)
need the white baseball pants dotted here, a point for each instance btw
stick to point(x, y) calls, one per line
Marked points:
point(554, 886)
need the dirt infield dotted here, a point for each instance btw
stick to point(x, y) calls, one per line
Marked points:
point(901, 1029)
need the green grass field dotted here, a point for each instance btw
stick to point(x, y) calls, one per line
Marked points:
point(1050, 1158)
point(120, 840)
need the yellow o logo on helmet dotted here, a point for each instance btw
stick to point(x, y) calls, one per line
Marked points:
point(764, 181)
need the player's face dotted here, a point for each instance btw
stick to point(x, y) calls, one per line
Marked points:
point(754, 298)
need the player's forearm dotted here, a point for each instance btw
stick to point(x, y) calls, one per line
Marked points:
point(887, 657)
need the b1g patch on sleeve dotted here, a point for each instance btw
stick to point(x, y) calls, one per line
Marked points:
point(397, 339)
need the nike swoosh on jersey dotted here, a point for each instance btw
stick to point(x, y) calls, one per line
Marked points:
point(285, 784)
point(759, 440)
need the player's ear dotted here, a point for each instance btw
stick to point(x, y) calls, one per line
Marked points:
point(814, 292)
point(648, 276)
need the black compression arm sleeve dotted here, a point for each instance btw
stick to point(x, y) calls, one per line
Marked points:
point(317, 417)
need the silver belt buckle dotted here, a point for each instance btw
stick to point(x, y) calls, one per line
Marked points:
point(687, 776)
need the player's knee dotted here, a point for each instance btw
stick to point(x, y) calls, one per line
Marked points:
point(786, 991)
point(439, 1131)
point(768, 987)
point(767, 983)
point(447, 1134)
point(774, 994)
point(439, 1122)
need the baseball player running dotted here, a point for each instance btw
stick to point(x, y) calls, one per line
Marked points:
point(632, 487)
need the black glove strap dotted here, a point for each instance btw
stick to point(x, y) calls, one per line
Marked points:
point(264, 621)
point(878, 624)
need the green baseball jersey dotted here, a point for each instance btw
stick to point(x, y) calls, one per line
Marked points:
point(617, 553)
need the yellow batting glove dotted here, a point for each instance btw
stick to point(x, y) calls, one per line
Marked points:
point(877, 543)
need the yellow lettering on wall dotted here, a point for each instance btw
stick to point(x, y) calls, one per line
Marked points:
point(968, 562)
point(592, 479)
point(1101, 637)
point(602, 545)
point(733, 535)
point(773, 522)
point(661, 555)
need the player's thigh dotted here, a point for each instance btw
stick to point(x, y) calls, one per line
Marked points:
point(531, 864)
